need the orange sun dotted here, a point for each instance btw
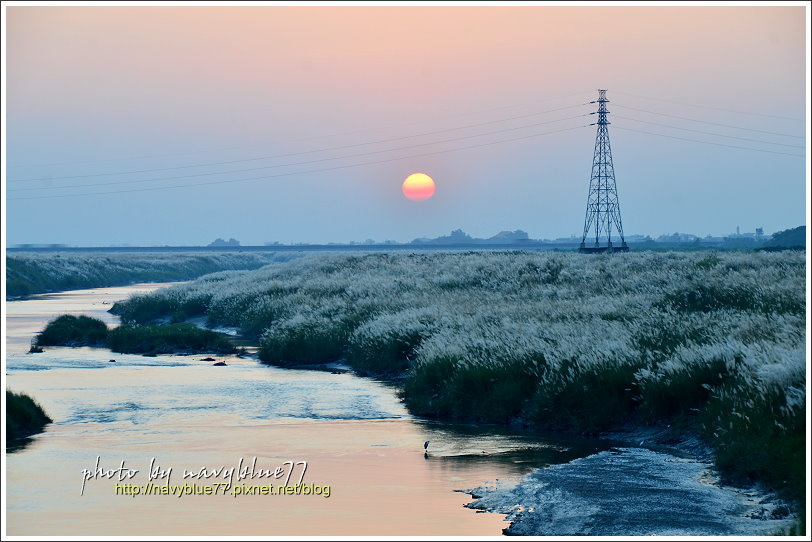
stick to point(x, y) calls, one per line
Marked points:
point(418, 187)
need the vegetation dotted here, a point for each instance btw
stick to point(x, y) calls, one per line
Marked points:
point(713, 342)
point(32, 273)
point(24, 416)
point(68, 330)
point(166, 339)
point(791, 238)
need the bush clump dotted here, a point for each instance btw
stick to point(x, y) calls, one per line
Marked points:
point(69, 330)
point(24, 416)
point(152, 339)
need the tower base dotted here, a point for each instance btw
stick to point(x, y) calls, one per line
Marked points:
point(604, 249)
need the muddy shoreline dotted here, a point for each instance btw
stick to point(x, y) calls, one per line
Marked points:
point(583, 497)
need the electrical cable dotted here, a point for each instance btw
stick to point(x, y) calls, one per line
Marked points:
point(709, 107)
point(710, 133)
point(311, 138)
point(707, 122)
point(51, 178)
point(707, 142)
point(333, 168)
point(306, 162)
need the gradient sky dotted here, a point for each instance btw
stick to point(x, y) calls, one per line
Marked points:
point(93, 92)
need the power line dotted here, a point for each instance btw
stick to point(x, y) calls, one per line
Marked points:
point(708, 122)
point(300, 152)
point(711, 133)
point(306, 162)
point(310, 138)
point(707, 142)
point(333, 168)
point(708, 107)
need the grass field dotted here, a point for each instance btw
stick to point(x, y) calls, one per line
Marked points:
point(709, 342)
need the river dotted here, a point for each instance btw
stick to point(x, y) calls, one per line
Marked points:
point(184, 413)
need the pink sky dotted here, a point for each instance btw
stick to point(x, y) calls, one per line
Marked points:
point(90, 84)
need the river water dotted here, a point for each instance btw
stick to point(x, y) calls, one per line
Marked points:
point(184, 413)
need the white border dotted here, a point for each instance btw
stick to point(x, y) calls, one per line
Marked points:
point(390, 3)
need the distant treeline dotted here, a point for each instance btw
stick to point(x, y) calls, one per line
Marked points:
point(792, 238)
point(34, 273)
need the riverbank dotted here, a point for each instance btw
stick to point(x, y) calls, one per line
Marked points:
point(29, 273)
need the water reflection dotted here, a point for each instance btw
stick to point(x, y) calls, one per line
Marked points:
point(470, 447)
point(18, 444)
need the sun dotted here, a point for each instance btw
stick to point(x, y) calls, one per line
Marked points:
point(418, 187)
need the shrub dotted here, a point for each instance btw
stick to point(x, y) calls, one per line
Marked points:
point(151, 339)
point(69, 330)
point(24, 416)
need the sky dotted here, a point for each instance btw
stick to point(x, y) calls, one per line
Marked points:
point(178, 125)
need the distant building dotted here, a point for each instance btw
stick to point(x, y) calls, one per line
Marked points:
point(677, 237)
point(637, 238)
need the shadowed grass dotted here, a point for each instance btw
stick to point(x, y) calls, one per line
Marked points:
point(305, 340)
point(69, 330)
point(447, 389)
point(24, 416)
point(166, 340)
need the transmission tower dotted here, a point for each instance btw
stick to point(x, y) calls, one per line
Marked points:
point(602, 204)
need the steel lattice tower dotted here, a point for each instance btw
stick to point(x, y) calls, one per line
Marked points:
point(602, 204)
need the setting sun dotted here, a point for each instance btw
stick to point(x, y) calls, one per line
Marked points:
point(418, 187)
